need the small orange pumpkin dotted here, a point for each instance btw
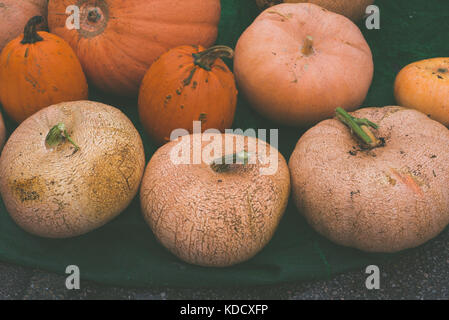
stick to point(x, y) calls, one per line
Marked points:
point(38, 69)
point(424, 86)
point(188, 84)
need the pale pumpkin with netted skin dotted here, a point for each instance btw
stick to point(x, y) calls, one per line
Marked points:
point(384, 198)
point(70, 168)
point(212, 215)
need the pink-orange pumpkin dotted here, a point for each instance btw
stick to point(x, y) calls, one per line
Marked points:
point(298, 62)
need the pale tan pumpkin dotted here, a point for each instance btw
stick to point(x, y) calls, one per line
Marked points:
point(385, 199)
point(75, 179)
point(298, 62)
point(215, 215)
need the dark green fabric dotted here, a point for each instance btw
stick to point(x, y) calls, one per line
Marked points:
point(124, 252)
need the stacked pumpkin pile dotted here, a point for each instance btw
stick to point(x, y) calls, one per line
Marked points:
point(373, 179)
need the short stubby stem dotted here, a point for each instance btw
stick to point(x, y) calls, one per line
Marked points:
point(307, 48)
point(205, 59)
point(57, 134)
point(93, 15)
point(360, 128)
point(224, 163)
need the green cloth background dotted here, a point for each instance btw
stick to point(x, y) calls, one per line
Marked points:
point(125, 252)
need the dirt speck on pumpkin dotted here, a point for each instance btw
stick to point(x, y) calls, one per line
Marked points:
point(31, 189)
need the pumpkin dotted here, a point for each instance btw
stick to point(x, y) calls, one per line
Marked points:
point(70, 168)
point(188, 84)
point(38, 69)
point(118, 40)
point(297, 62)
point(424, 86)
point(14, 14)
point(220, 209)
point(352, 9)
point(2, 132)
point(379, 190)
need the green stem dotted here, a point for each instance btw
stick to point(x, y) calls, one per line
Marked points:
point(57, 134)
point(30, 34)
point(205, 59)
point(223, 164)
point(359, 127)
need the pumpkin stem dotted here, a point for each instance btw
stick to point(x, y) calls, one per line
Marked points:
point(30, 34)
point(205, 59)
point(57, 134)
point(93, 15)
point(223, 164)
point(307, 48)
point(360, 127)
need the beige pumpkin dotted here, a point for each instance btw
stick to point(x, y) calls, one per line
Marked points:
point(383, 199)
point(70, 168)
point(209, 214)
point(297, 63)
point(352, 9)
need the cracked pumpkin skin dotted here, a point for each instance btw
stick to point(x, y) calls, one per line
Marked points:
point(56, 192)
point(298, 62)
point(424, 86)
point(211, 218)
point(352, 9)
point(386, 199)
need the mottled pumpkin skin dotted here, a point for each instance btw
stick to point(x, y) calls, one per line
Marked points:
point(34, 76)
point(289, 87)
point(424, 86)
point(175, 92)
point(14, 15)
point(211, 218)
point(352, 9)
point(117, 49)
point(387, 199)
point(55, 192)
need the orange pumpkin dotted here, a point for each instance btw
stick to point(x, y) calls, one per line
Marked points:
point(424, 86)
point(298, 62)
point(118, 40)
point(14, 14)
point(188, 84)
point(38, 69)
